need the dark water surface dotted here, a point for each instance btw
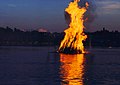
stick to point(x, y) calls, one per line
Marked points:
point(38, 66)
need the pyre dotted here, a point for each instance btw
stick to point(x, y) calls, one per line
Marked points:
point(74, 35)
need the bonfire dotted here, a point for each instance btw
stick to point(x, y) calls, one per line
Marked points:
point(74, 34)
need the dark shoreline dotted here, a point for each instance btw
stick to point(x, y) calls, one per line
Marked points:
point(16, 37)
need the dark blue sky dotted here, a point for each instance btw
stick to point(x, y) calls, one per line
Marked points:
point(49, 14)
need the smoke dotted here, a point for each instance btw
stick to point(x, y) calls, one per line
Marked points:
point(89, 16)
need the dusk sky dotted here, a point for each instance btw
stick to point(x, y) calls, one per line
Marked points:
point(49, 14)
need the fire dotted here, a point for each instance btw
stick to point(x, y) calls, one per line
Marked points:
point(74, 35)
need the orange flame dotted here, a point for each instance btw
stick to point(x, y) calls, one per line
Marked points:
point(74, 34)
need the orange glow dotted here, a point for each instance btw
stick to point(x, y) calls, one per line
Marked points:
point(74, 34)
point(72, 69)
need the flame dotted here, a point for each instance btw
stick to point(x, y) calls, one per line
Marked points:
point(74, 34)
point(72, 69)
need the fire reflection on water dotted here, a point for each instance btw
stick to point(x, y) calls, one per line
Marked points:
point(72, 69)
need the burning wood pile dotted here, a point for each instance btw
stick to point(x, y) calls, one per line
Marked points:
point(74, 34)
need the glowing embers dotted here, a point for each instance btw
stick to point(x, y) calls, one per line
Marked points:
point(74, 36)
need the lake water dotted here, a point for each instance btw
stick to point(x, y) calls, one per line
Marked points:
point(41, 66)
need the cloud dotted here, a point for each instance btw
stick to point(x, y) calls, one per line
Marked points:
point(42, 30)
point(12, 5)
point(112, 6)
point(108, 6)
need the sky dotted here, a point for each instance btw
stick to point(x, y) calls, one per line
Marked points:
point(49, 14)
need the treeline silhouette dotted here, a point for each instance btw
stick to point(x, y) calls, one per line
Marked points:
point(16, 37)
